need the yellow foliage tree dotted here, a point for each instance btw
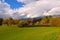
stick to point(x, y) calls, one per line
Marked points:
point(44, 21)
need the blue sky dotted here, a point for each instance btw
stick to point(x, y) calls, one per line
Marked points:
point(14, 4)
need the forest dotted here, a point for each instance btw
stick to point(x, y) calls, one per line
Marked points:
point(48, 21)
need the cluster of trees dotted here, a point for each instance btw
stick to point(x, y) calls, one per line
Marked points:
point(19, 23)
point(50, 21)
point(45, 21)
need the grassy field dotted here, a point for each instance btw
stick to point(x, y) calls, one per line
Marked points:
point(32, 33)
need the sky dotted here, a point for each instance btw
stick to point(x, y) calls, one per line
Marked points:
point(14, 4)
point(18, 9)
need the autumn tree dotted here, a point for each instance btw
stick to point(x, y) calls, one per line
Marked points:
point(8, 21)
point(37, 23)
point(44, 20)
point(54, 21)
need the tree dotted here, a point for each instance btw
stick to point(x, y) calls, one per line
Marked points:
point(55, 22)
point(8, 21)
point(44, 20)
point(37, 23)
point(22, 23)
point(1, 20)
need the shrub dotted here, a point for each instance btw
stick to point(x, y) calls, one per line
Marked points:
point(22, 24)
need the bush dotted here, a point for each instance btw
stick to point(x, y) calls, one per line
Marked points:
point(22, 24)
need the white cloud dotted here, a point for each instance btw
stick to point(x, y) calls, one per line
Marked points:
point(30, 1)
point(54, 11)
point(5, 10)
point(36, 8)
point(32, 8)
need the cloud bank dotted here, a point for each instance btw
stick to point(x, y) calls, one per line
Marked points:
point(31, 9)
point(36, 8)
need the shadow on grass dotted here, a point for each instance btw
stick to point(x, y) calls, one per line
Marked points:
point(35, 26)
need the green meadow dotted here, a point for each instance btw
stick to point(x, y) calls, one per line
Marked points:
point(29, 33)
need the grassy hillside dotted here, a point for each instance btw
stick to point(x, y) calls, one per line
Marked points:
point(33, 33)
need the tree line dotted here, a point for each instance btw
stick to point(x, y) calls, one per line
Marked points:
point(45, 21)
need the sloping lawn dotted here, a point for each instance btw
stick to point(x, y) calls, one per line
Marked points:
point(32, 33)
